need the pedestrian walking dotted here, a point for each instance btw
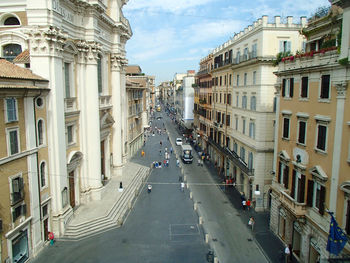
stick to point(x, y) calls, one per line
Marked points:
point(142, 153)
point(166, 149)
point(199, 162)
point(149, 188)
point(177, 162)
point(51, 238)
point(287, 254)
point(244, 202)
point(248, 203)
point(160, 143)
point(251, 222)
point(182, 185)
point(171, 150)
point(160, 152)
point(167, 163)
point(164, 163)
point(144, 142)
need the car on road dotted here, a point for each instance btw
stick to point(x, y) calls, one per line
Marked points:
point(178, 141)
point(159, 117)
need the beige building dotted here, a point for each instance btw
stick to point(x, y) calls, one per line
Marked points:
point(25, 210)
point(312, 139)
point(139, 88)
point(241, 137)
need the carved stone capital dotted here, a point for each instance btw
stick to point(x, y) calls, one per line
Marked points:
point(118, 61)
point(341, 87)
point(46, 40)
point(88, 50)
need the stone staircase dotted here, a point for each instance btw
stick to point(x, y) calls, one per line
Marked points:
point(115, 215)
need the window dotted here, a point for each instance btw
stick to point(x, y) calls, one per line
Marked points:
point(250, 161)
point(253, 103)
point(228, 120)
point(252, 130)
point(237, 80)
point(242, 154)
point(325, 87)
point(285, 46)
point(11, 110)
point(225, 82)
point(304, 87)
point(238, 55)
point(245, 54)
point(235, 147)
point(220, 80)
point(316, 195)
point(254, 77)
point(70, 134)
point(20, 251)
point(229, 99)
point(244, 102)
point(243, 124)
point(298, 186)
point(254, 50)
point(99, 74)
point(17, 190)
point(220, 97)
point(67, 79)
point(245, 79)
point(286, 123)
point(42, 174)
point(302, 132)
point(13, 141)
point(230, 80)
point(11, 21)
point(236, 123)
point(321, 137)
point(10, 51)
point(237, 100)
point(288, 88)
point(283, 174)
point(40, 132)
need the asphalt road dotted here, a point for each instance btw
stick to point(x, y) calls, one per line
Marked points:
point(162, 227)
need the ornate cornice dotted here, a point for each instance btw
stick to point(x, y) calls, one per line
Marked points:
point(88, 49)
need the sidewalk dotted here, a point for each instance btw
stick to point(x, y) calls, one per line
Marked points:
point(268, 242)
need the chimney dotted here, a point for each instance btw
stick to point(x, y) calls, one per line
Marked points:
point(289, 20)
point(303, 21)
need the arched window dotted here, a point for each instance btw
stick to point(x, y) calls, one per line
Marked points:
point(10, 51)
point(253, 103)
point(40, 132)
point(11, 21)
point(43, 174)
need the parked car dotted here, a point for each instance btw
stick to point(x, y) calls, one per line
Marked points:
point(178, 141)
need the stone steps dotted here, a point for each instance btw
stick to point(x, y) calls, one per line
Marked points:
point(115, 215)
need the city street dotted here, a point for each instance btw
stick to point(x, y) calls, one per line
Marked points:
point(162, 226)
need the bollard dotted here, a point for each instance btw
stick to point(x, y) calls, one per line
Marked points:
point(195, 206)
point(200, 220)
point(206, 238)
point(190, 193)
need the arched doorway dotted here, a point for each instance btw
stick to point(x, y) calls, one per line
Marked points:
point(72, 170)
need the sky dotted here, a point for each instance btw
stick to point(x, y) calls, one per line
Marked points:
point(171, 36)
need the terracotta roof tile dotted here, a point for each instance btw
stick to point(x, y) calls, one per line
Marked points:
point(23, 57)
point(12, 71)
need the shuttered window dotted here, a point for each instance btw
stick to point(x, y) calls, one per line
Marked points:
point(325, 87)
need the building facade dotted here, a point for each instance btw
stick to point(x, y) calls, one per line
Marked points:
point(80, 48)
point(241, 137)
point(24, 163)
point(312, 150)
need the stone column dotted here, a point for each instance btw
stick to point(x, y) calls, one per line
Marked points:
point(337, 145)
point(90, 123)
point(46, 60)
point(118, 141)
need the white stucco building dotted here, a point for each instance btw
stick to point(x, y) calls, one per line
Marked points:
point(79, 47)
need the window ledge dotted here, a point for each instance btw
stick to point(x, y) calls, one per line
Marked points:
point(320, 151)
point(324, 100)
point(285, 139)
point(287, 98)
point(301, 144)
point(306, 99)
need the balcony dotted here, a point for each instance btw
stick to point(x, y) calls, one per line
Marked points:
point(233, 157)
point(105, 102)
point(298, 209)
point(70, 104)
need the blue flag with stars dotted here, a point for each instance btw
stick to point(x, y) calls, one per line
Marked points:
point(336, 238)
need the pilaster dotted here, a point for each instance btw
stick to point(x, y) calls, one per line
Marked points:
point(341, 88)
